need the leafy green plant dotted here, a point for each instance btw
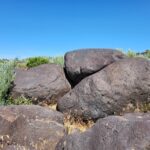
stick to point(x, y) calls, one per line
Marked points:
point(3, 60)
point(131, 53)
point(35, 61)
point(57, 60)
point(18, 101)
point(20, 63)
point(147, 54)
point(6, 78)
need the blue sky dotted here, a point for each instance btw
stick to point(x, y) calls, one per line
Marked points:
point(52, 27)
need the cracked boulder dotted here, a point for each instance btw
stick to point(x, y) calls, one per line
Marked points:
point(42, 84)
point(129, 132)
point(109, 91)
point(30, 127)
point(84, 62)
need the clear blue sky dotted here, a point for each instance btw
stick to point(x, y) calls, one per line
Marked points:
point(52, 27)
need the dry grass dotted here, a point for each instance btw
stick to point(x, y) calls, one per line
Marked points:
point(52, 106)
point(75, 123)
point(138, 107)
point(135, 107)
point(71, 124)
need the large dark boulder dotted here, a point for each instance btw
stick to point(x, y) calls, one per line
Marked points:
point(30, 127)
point(129, 132)
point(110, 90)
point(43, 84)
point(84, 62)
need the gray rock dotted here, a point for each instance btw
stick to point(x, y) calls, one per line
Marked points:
point(30, 127)
point(110, 90)
point(84, 62)
point(129, 132)
point(43, 84)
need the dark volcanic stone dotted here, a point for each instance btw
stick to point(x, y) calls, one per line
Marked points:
point(43, 84)
point(84, 62)
point(109, 90)
point(129, 132)
point(30, 127)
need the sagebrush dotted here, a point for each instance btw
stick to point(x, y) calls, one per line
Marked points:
point(36, 61)
point(6, 79)
point(18, 101)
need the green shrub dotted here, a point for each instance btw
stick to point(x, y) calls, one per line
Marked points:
point(131, 53)
point(3, 60)
point(35, 61)
point(147, 54)
point(18, 101)
point(57, 60)
point(20, 63)
point(6, 78)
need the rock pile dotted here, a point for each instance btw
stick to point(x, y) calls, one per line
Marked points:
point(105, 83)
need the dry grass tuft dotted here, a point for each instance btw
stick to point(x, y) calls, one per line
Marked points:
point(135, 107)
point(52, 106)
point(72, 124)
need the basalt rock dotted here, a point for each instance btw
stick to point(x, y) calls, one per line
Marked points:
point(110, 90)
point(84, 62)
point(30, 128)
point(43, 84)
point(129, 132)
